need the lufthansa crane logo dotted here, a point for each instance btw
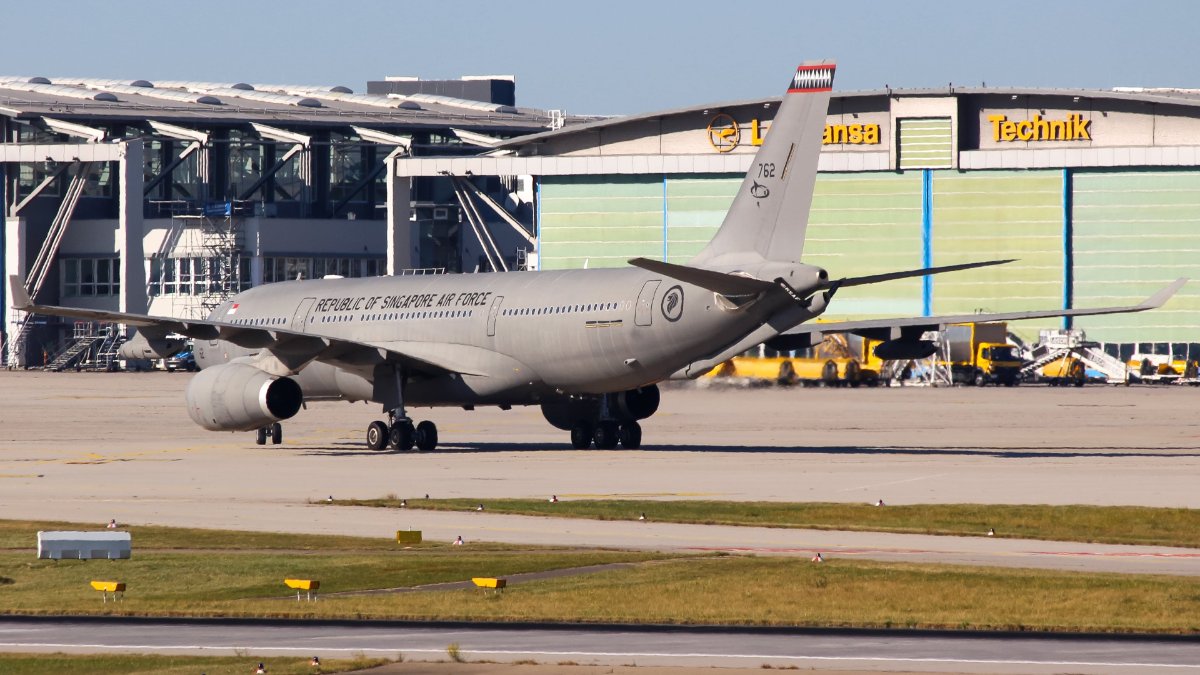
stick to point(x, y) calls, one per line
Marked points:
point(724, 134)
point(672, 304)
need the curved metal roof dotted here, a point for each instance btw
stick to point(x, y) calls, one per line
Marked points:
point(1181, 97)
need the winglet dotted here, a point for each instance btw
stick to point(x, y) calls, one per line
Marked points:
point(16, 290)
point(1160, 298)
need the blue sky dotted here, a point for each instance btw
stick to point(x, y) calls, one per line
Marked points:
point(613, 56)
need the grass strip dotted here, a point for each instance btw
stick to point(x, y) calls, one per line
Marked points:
point(684, 590)
point(732, 590)
point(1097, 524)
point(135, 664)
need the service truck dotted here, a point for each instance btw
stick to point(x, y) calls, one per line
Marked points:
point(979, 354)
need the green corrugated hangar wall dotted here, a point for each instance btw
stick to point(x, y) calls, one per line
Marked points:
point(1135, 232)
point(1084, 237)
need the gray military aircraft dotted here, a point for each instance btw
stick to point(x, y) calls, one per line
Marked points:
point(588, 346)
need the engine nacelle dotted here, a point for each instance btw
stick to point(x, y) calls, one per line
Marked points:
point(141, 347)
point(565, 413)
point(637, 404)
point(240, 397)
point(625, 406)
point(903, 350)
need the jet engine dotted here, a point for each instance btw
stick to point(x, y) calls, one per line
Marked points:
point(903, 350)
point(141, 347)
point(636, 404)
point(240, 397)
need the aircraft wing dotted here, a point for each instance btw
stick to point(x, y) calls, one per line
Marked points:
point(291, 349)
point(885, 329)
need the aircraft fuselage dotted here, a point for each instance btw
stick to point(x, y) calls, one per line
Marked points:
point(520, 335)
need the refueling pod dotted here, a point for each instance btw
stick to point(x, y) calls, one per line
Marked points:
point(903, 350)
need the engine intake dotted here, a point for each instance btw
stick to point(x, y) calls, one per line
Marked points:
point(240, 397)
point(637, 404)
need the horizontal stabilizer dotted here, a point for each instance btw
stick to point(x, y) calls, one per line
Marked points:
point(718, 282)
point(908, 274)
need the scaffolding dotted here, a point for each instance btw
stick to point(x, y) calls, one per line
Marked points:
point(219, 242)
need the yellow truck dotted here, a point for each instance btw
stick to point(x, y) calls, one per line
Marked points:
point(979, 354)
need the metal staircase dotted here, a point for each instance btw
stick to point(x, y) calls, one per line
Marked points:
point(106, 353)
point(76, 348)
point(40, 268)
point(92, 346)
point(1059, 344)
point(16, 344)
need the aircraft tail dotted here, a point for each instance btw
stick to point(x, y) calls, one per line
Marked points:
point(769, 215)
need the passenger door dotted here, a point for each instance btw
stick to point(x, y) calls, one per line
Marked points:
point(301, 315)
point(643, 315)
point(495, 309)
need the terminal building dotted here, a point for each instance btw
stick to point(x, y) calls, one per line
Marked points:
point(1095, 193)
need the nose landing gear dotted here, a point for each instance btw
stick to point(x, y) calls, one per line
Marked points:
point(273, 431)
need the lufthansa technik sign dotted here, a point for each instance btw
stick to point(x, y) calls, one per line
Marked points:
point(725, 134)
point(1075, 128)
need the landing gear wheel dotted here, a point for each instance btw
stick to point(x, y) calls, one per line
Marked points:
point(402, 436)
point(581, 436)
point(606, 436)
point(261, 438)
point(377, 435)
point(276, 433)
point(631, 435)
point(427, 437)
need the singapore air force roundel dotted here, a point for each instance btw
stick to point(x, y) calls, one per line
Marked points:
point(672, 304)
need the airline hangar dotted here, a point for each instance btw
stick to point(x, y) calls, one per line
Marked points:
point(1095, 193)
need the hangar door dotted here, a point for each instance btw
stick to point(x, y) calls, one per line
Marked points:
point(1135, 232)
point(868, 223)
point(990, 215)
point(695, 208)
point(599, 221)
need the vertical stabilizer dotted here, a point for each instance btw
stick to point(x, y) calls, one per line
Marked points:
point(770, 212)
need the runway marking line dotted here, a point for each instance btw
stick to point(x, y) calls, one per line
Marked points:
point(689, 655)
point(914, 551)
point(1117, 554)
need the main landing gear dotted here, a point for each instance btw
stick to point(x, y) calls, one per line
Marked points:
point(273, 431)
point(605, 421)
point(607, 435)
point(400, 432)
